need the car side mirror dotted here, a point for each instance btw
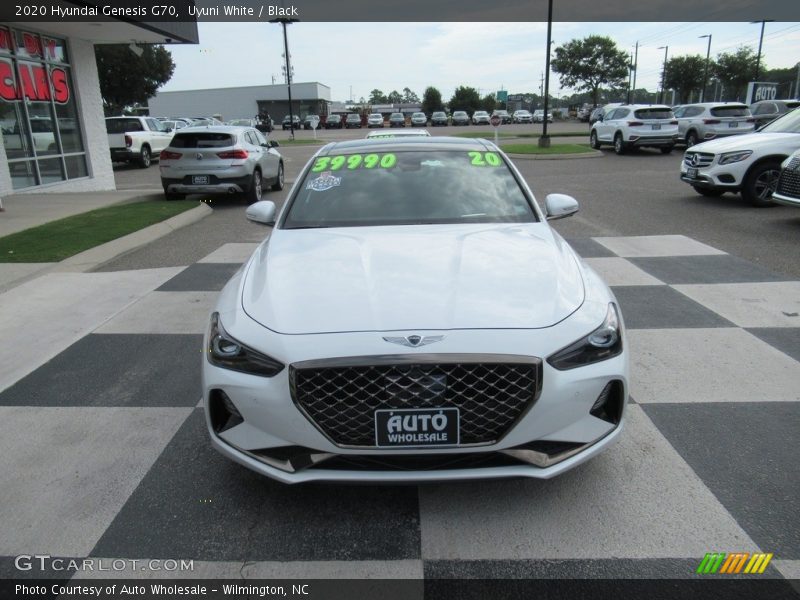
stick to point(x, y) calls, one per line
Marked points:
point(272, 144)
point(558, 206)
point(168, 129)
point(262, 212)
point(599, 117)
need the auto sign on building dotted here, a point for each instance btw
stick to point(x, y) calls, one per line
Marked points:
point(761, 90)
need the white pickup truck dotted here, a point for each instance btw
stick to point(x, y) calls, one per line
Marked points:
point(138, 139)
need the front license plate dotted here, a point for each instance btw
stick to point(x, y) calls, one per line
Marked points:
point(416, 427)
point(657, 126)
point(691, 173)
point(200, 179)
point(733, 124)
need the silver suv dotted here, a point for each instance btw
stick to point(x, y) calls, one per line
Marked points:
point(220, 160)
point(710, 120)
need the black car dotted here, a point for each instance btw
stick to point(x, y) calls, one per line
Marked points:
point(460, 117)
point(353, 120)
point(438, 118)
point(505, 118)
point(295, 122)
point(334, 122)
point(397, 120)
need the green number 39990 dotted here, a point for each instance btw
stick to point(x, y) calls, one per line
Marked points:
point(354, 161)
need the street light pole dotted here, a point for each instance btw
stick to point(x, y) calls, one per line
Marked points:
point(760, 42)
point(635, 68)
point(705, 71)
point(544, 139)
point(664, 75)
point(284, 23)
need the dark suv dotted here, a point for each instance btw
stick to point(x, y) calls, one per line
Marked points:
point(353, 120)
point(295, 122)
point(333, 122)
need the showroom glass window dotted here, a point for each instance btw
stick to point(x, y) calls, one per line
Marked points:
point(38, 110)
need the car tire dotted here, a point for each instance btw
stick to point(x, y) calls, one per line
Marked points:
point(144, 157)
point(707, 192)
point(593, 141)
point(760, 182)
point(255, 192)
point(691, 139)
point(666, 149)
point(619, 144)
point(173, 195)
point(278, 185)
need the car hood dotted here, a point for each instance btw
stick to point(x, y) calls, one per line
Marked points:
point(423, 277)
point(749, 141)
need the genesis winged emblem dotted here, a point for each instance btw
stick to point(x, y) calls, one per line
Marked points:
point(414, 341)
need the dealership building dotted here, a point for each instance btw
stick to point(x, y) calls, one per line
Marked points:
point(51, 112)
point(310, 98)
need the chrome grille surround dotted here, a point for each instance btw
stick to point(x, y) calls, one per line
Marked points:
point(492, 392)
point(789, 180)
point(703, 159)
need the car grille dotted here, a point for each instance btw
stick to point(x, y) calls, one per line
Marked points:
point(789, 181)
point(341, 396)
point(703, 159)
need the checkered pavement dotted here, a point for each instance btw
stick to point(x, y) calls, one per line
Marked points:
point(104, 453)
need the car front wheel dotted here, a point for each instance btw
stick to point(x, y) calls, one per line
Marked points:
point(278, 185)
point(255, 191)
point(760, 182)
point(593, 141)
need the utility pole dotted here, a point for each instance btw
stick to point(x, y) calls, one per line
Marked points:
point(663, 96)
point(797, 82)
point(705, 71)
point(544, 139)
point(635, 68)
point(630, 76)
point(284, 23)
point(760, 42)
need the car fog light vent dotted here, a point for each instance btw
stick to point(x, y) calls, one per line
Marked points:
point(609, 403)
point(222, 411)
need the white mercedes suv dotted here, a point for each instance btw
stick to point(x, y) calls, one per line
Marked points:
point(749, 164)
point(412, 316)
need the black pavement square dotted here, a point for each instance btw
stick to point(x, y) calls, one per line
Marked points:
point(785, 339)
point(746, 453)
point(195, 503)
point(201, 277)
point(589, 248)
point(721, 268)
point(116, 370)
point(661, 307)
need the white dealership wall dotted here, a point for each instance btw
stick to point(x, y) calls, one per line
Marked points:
point(233, 102)
point(81, 39)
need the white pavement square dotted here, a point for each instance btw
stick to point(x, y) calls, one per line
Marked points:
point(164, 312)
point(618, 271)
point(42, 317)
point(774, 304)
point(230, 253)
point(637, 500)
point(709, 365)
point(656, 245)
point(66, 472)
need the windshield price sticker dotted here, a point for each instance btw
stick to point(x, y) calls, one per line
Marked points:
point(483, 159)
point(354, 161)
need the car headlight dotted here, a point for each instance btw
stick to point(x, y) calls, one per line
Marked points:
point(732, 157)
point(602, 343)
point(228, 353)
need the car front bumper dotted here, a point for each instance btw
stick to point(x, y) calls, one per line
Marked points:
point(713, 177)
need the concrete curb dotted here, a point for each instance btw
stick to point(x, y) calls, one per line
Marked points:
point(100, 255)
point(592, 154)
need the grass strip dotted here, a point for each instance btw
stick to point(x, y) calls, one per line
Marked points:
point(554, 149)
point(57, 240)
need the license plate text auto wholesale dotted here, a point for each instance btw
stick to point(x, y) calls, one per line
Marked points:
point(406, 428)
point(200, 179)
point(691, 173)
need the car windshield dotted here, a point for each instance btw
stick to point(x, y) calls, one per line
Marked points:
point(481, 113)
point(788, 123)
point(653, 113)
point(406, 188)
point(334, 118)
point(730, 111)
point(438, 114)
point(375, 116)
point(418, 115)
point(459, 113)
point(396, 116)
point(203, 139)
point(353, 117)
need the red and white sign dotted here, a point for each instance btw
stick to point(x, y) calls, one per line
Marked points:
point(495, 120)
point(35, 83)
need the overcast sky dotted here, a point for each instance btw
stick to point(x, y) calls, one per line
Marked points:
point(488, 56)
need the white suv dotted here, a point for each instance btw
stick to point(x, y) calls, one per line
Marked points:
point(636, 126)
point(749, 164)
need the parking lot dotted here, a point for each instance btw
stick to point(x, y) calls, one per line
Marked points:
point(710, 289)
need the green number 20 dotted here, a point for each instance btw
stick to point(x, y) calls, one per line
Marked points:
point(483, 159)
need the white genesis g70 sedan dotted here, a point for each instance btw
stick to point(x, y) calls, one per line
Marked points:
point(413, 317)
